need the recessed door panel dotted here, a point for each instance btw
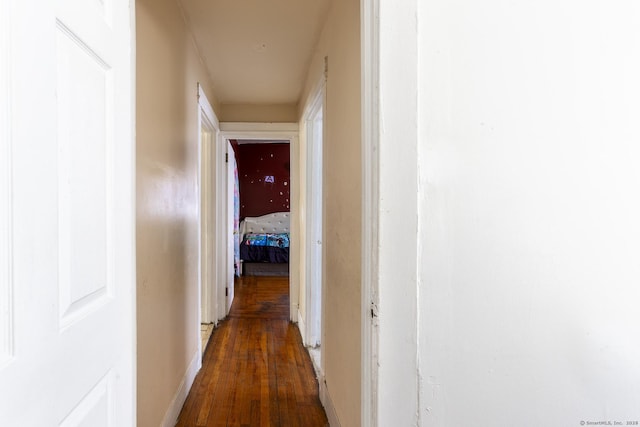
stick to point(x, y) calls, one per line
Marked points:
point(95, 409)
point(85, 142)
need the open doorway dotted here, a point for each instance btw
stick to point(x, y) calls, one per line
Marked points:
point(251, 133)
point(264, 199)
point(218, 226)
point(314, 124)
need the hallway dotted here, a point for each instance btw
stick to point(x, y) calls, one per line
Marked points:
point(217, 87)
point(255, 369)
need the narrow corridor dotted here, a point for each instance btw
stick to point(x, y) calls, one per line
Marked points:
point(255, 370)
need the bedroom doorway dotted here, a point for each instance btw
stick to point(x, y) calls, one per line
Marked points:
point(264, 203)
point(249, 133)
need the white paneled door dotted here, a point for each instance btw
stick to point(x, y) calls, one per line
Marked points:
point(67, 268)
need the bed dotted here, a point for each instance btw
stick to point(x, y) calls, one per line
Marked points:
point(264, 247)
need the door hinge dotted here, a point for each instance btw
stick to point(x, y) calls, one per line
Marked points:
point(226, 157)
point(226, 292)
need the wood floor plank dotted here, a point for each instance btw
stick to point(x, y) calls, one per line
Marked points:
point(255, 370)
point(223, 338)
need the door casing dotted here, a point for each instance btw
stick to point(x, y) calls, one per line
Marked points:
point(258, 131)
point(208, 128)
point(314, 214)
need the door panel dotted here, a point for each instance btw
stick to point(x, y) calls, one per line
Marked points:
point(94, 410)
point(85, 190)
point(231, 164)
point(223, 263)
point(66, 186)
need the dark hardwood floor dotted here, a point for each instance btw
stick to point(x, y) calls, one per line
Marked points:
point(255, 371)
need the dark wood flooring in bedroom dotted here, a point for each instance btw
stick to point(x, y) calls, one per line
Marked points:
point(255, 370)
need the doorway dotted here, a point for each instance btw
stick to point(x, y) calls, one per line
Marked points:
point(285, 132)
point(314, 121)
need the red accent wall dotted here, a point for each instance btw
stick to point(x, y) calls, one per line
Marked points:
point(263, 172)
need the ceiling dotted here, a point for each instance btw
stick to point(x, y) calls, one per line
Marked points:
point(256, 51)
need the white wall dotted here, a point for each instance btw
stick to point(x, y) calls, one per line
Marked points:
point(529, 237)
point(168, 69)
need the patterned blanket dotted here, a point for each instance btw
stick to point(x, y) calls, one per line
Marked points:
point(280, 240)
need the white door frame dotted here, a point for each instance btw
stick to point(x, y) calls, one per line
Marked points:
point(390, 279)
point(370, 48)
point(259, 131)
point(207, 267)
point(6, 280)
point(314, 214)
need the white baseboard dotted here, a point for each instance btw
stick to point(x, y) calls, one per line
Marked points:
point(325, 399)
point(173, 412)
point(302, 327)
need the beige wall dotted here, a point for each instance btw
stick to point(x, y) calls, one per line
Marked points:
point(340, 42)
point(269, 113)
point(168, 70)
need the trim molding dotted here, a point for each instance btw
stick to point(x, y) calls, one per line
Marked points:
point(173, 411)
point(316, 95)
point(205, 105)
point(327, 403)
point(314, 214)
point(302, 328)
point(275, 131)
point(370, 60)
point(208, 298)
point(6, 246)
